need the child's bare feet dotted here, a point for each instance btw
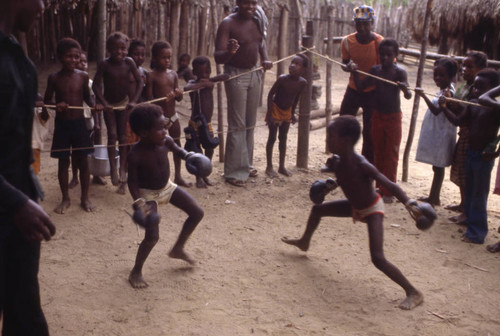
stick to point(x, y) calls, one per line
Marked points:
point(284, 171)
point(180, 254)
point(208, 182)
point(493, 248)
point(65, 203)
point(300, 243)
point(412, 300)
point(200, 183)
point(122, 188)
point(181, 182)
point(74, 182)
point(115, 179)
point(136, 280)
point(87, 205)
point(99, 180)
point(271, 172)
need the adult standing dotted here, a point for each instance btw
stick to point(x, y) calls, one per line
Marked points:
point(23, 223)
point(239, 43)
point(360, 51)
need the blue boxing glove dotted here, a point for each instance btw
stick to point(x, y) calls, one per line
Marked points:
point(320, 188)
point(198, 164)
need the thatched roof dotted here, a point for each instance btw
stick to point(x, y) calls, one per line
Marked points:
point(455, 17)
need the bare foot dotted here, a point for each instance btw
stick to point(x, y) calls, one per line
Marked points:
point(180, 254)
point(284, 171)
point(65, 203)
point(115, 179)
point(122, 188)
point(87, 205)
point(74, 182)
point(137, 281)
point(208, 182)
point(181, 182)
point(412, 300)
point(200, 183)
point(493, 248)
point(303, 245)
point(99, 180)
point(459, 219)
point(271, 172)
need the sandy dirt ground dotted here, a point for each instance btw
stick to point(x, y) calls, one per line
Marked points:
point(245, 280)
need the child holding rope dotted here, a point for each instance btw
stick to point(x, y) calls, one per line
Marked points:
point(70, 87)
point(483, 126)
point(437, 135)
point(281, 103)
point(386, 117)
point(116, 95)
point(200, 131)
point(355, 176)
point(150, 185)
point(163, 83)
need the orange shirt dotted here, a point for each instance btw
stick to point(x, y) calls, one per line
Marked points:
point(364, 55)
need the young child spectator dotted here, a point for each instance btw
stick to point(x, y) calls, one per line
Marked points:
point(113, 90)
point(92, 125)
point(483, 126)
point(202, 108)
point(360, 50)
point(437, 135)
point(163, 83)
point(386, 117)
point(184, 71)
point(149, 184)
point(70, 87)
point(355, 176)
point(281, 103)
point(473, 62)
point(39, 132)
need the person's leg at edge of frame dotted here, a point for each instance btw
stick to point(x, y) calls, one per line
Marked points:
point(252, 104)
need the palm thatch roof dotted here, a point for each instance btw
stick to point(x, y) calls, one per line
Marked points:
point(455, 18)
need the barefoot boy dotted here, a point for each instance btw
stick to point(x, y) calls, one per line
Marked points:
point(355, 176)
point(386, 117)
point(163, 83)
point(281, 102)
point(149, 184)
point(202, 107)
point(112, 87)
point(483, 126)
point(71, 88)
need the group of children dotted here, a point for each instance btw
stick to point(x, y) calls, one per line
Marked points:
point(121, 82)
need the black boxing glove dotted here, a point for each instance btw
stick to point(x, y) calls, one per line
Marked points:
point(320, 188)
point(192, 144)
point(206, 139)
point(198, 164)
point(423, 213)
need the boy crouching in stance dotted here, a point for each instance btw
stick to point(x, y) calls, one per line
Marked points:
point(355, 176)
point(149, 184)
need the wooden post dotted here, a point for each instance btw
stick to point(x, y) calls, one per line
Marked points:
point(175, 7)
point(161, 21)
point(283, 38)
point(183, 28)
point(101, 30)
point(202, 39)
point(305, 104)
point(416, 101)
point(220, 113)
point(329, 52)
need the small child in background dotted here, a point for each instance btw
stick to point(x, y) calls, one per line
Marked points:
point(39, 133)
point(184, 71)
point(386, 119)
point(150, 185)
point(163, 83)
point(70, 87)
point(116, 96)
point(355, 176)
point(202, 109)
point(437, 135)
point(281, 103)
point(137, 51)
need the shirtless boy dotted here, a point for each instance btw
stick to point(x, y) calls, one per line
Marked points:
point(281, 103)
point(149, 184)
point(163, 83)
point(202, 107)
point(112, 89)
point(71, 88)
point(355, 176)
point(483, 126)
point(386, 117)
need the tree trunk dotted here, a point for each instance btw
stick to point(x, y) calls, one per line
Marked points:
point(202, 40)
point(283, 38)
point(174, 31)
point(101, 32)
point(161, 21)
point(183, 28)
